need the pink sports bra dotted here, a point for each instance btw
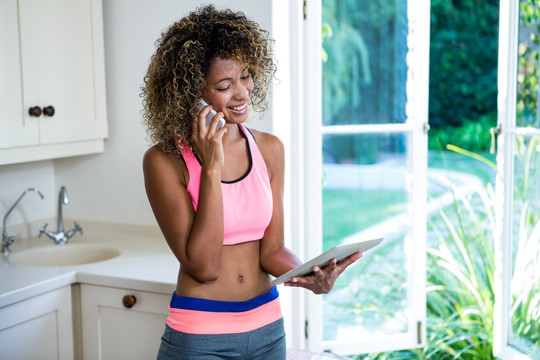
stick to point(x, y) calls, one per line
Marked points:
point(247, 201)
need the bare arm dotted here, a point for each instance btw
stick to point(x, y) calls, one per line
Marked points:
point(196, 238)
point(276, 259)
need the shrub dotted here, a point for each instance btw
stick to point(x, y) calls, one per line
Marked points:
point(463, 60)
point(472, 135)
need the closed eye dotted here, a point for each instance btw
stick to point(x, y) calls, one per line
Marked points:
point(224, 89)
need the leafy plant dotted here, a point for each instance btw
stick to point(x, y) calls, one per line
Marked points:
point(528, 64)
point(463, 61)
point(473, 135)
point(525, 287)
point(525, 284)
point(460, 291)
point(461, 265)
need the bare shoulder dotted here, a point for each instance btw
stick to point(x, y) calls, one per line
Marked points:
point(152, 154)
point(270, 145)
point(154, 157)
point(273, 152)
point(157, 163)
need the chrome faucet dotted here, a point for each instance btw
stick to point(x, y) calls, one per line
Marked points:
point(8, 240)
point(61, 237)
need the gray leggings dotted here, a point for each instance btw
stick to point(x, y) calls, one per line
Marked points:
point(267, 343)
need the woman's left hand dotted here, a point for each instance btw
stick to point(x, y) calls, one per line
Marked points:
point(322, 280)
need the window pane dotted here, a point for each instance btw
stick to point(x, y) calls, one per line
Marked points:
point(525, 284)
point(527, 84)
point(365, 196)
point(364, 62)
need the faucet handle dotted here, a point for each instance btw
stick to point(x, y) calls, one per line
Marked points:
point(72, 232)
point(43, 229)
point(77, 227)
point(10, 239)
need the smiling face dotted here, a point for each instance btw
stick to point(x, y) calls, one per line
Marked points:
point(228, 89)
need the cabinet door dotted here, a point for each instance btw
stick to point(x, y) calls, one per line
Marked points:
point(111, 330)
point(38, 328)
point(63, 67)
point(16, 129)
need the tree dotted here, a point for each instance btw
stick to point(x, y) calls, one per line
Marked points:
point(463, 61)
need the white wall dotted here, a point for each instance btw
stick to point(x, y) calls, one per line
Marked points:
point(109, 186)
point(14, 179)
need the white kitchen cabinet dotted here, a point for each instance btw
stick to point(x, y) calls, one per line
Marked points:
point(40, 327)
point(113, 327)
point(52, 56)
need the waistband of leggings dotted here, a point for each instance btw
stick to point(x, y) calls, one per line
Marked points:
point(258, 312)
point(190, 303)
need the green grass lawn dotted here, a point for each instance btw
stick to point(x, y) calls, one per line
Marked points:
point(462, 163)
point(347, 211)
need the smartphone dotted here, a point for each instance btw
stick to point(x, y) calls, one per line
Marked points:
point(210, 115)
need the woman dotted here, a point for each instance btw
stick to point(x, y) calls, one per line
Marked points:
point(217, 193)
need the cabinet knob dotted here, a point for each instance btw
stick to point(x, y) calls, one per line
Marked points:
point(34, 111)
point(129, 300)
point(48, 110)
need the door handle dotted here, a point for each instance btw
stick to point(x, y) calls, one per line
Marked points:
point(495, 132)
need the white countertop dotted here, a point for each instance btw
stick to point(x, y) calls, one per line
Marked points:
point(145, 263)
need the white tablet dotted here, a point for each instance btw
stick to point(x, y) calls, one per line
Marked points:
point(339, 252)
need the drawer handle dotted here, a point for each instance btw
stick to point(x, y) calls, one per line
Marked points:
point(129, 300)
point(48, 110)
point(35, 111)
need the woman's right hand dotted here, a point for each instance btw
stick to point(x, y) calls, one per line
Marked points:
point(208, 142)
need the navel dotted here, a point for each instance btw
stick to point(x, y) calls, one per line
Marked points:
point(241, 278)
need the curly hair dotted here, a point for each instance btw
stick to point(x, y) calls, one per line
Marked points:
point(176, 75)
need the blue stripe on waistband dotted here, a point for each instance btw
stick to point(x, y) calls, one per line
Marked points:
point(190, 303)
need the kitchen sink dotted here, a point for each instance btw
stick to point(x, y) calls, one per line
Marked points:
point(64, 255)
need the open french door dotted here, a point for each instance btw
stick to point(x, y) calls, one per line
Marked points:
point(364, 176)
point(517, 243)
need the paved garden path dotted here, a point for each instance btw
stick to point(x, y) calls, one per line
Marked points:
point(443, 188)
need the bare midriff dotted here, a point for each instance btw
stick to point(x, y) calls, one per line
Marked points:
point(240, 278)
